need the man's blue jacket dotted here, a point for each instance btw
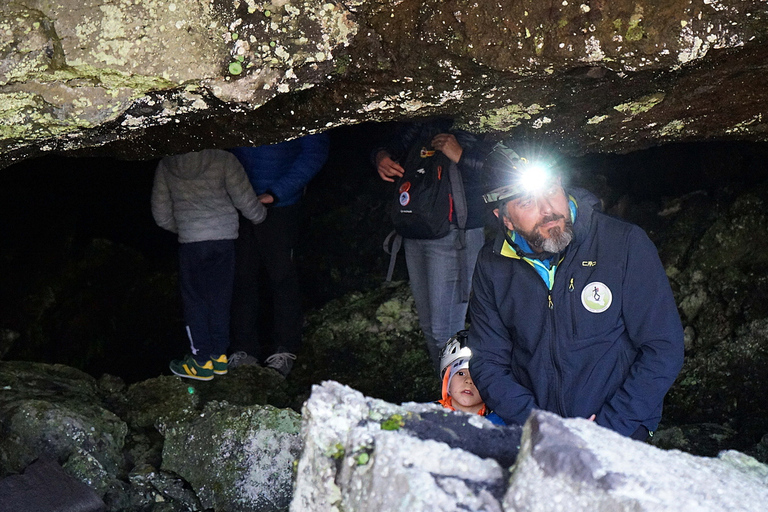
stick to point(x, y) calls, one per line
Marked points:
point(606, 339)
point(284, 169)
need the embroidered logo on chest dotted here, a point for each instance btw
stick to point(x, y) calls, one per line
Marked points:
point(596, 297)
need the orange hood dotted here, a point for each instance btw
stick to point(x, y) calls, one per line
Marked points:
point(446, 400)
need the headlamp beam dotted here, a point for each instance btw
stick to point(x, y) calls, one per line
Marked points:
point(531, 179)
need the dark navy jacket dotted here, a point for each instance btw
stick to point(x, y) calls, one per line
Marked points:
point(284, 169)
point(573, 355)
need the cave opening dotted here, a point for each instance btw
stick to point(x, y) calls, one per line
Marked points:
point(87, 277)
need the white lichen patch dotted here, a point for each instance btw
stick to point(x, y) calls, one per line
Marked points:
point(695, 45)
point(672, 128)
point(597, 119)
point(509, 116)
point(538, 123)
point(254, 89)
point(405, 102)
point(592, 50)
point(146, 36)
point(644, 104)
point(744, 125)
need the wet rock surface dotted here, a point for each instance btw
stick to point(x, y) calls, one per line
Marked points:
point(236, 457)
point(158, 441)
point(717, 272)
point(142, 80)
point(361, 454)
point(567, 464)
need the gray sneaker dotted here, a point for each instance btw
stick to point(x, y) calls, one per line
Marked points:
point(282, 362)
point(242, 359)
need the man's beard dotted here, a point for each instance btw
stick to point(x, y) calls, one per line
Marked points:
point(557, 240)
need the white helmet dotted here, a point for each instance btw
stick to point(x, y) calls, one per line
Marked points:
point(455, 348)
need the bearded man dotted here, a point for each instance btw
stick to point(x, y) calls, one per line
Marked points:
point(572, 311)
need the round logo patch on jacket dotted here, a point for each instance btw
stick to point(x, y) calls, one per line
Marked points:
point(596, 297)
point(405, 198)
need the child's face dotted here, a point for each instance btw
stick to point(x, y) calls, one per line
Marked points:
point(463, 392)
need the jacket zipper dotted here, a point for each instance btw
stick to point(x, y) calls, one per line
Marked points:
point(553, 349)
point(554, 353)
point(573, 313)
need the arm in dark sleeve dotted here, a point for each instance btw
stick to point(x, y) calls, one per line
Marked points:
point(397, 145)
point(474, 152)
point(653, 324)
point(491, 361)
point(314, 153)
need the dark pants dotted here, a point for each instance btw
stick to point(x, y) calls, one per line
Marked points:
point(641, 434)
point(267, 248)
point(206, 273)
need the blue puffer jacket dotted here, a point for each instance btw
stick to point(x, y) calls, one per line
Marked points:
point(606, 340)
point(284, 169)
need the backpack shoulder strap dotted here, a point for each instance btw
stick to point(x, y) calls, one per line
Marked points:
point(460, 207)
point(459, 198)
point(397, 242)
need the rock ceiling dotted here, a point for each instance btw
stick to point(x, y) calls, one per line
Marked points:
point(137, 79)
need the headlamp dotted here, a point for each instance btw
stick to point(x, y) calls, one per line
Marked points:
point(526, 179)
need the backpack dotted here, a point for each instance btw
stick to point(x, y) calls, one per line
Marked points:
point(422, 206)
point(427, 199)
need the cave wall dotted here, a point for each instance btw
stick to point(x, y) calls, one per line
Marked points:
point(142, 79)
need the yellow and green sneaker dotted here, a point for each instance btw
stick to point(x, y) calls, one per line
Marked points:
point(219, 364)
point(191, 369)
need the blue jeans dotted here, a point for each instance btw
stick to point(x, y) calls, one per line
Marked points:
point(434, 273)
point(206, 274)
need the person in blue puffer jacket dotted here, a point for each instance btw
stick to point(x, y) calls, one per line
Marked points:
point(572, 310)
point(279, 173)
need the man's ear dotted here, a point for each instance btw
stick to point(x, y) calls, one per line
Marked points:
point(508, 223)
point(504, 219)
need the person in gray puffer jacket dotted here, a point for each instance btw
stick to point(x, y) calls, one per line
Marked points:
point(197, 195)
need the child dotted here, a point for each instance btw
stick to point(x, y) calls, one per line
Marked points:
point(459, 392)
point(197, 195)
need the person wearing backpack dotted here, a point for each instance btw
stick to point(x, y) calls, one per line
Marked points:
point(440, 256)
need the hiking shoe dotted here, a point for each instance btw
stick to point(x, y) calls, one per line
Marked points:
point(242, 359)
point(191, 369)
point(219, 364)
point(282, 362)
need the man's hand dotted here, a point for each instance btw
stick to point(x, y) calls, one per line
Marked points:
point(266, 198)
point(387, 168)
point(448, 144)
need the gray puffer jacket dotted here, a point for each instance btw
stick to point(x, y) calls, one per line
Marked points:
point(195, 195)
